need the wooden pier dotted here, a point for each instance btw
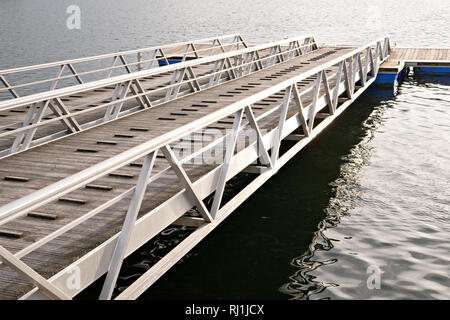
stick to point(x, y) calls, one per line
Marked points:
point(421, 57)
point(90, 172)
point(401, 58)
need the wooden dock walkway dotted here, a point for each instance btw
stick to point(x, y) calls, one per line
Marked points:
point(110, 164)
point(415, 57)
point(420, 56)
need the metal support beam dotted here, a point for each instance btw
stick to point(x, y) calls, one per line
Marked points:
point(77, 76)
point(60, 110)
point(229, 151)
point(97, 262)
point(20, 136)
point(326, 87)
point(8, 86)
point(43, 284)
point(128, 88)
point(125, 64)
point(184, 178)
point(140, 90)
point(55, 83)
point(313, 108)
point(128, 226)
point(362, 75)
point(113, 110)
point(264, 155)
point(32, 131)
point(347, 81)
point(301, 113)
point(277, 138)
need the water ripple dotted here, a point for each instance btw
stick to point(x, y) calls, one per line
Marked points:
point(390, 207)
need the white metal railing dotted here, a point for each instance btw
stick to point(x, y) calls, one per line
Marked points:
point(353, 73)
point(46, 110)
point(49, 76)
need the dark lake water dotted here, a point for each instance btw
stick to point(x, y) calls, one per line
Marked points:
point(372, 191)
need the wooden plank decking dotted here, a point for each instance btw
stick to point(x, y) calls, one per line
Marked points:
point(415, 57)
point(420, 54)
point(54, 161)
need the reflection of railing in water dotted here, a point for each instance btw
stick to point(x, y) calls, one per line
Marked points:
point(354, 72)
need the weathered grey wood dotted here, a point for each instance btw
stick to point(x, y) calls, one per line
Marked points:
point(51, 162)
point(50, 290)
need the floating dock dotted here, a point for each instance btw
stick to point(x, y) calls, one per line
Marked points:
point(90, 171)
point(435, 60)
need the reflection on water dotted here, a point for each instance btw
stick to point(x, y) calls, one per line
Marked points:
point(346, 191)
point(391, 206)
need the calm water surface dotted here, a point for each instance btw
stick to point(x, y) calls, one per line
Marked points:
point(372, 190)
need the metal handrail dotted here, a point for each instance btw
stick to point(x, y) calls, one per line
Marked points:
point(217, 43)
point(68, 184)
point(236, 68)
point(310, 43)
point(64, 186)
point(23, 101)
